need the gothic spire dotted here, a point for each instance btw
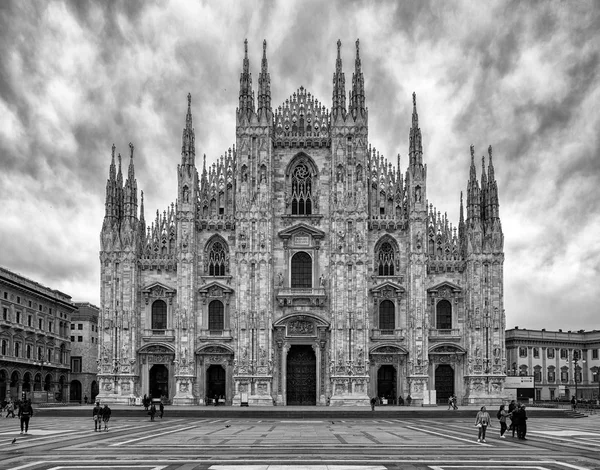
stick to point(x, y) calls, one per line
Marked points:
point(339, 87)
point(473, 192)
point(357, 105)
point(130, 189)
point(188, 140)
point(246, 106)
point(111, 186)
point(264, 87)
point(492, 188)
point(415, 145)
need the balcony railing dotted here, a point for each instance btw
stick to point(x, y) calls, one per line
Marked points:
point(159, 335)
point(445, 333)
point(292, 297)
point(385, 335)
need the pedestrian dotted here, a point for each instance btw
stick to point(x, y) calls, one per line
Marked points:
point(502, 415)
point(512, 406)
point(97, 416)
point(25, 413)
point(106, 412)
point(408, 400)
point(400, 400)
point(373, 401)
point(522, 426)
point(85, 399)
point(573, 403)
point(161, 409)
point(482, 421)
point(10, 409)
point(145, 402)
point(152, 411)
point(450, 405)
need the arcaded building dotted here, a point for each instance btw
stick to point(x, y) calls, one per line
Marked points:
point(84, 352)
point(302, 267)
point(34, 340)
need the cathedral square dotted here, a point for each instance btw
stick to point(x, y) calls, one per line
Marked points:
point(302, 267)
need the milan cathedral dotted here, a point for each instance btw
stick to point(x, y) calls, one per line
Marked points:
point(301, 268)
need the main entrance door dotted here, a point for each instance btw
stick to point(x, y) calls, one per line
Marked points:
point(386, 383)
point(159, 381)
point(301, 376)
point(215, 377)
point(444, 383)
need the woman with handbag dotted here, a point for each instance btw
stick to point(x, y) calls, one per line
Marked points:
point(482, 421)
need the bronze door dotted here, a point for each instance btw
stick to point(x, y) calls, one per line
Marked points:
point(386, 383)
point(301, 376)
point(444, 383)
point(159, 381)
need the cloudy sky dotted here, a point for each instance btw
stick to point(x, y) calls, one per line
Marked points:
point(522, 76)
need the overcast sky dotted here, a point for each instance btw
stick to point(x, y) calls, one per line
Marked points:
point(521, 76)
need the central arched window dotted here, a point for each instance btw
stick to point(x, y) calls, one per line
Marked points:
point(159, 315)
point(216, 259)
point(216, 315)
point(385, 259)
point(302, 197)
point(387, 314)
point(443, 316)
point(301, 270)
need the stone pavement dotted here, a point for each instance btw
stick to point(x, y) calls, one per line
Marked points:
point(378, 443)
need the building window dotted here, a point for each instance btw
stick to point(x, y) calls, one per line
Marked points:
point(596, 376)
point(538, 394)
point(49, 355)
point(92, 340)
point(76, 365)
point(18, 317)
point(40, 354)
point(18, 299)
point(6, 295)
point(4, 347)
point(550, 353)
point(72, 326)
point(216, 315)
point(72, 339)
point(50, 326)
point(443, 315)
point(40, 324)
point(80, 339)
point(17, 349)
point(536, 352)
point(387, 315)
point(5, 314)
point(564, 376)
point(80, 326)
point(552, 393)
point(551, 376)
point(385, 260)
point(522, 352)
point(216, 259)
point(301, 197)
point(29, 320)
point(537, 375)
point(159, 315)
point(594, 354)
point(564, 354)
point(301, 270)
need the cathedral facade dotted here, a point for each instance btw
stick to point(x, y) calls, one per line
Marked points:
point(301, 268)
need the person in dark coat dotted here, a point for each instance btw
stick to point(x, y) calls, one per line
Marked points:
point(152, 411)
point(97, 417)
point(106, 412)
point(512, 406)
point(161, 409)
point(25, 413)
point(522, 427)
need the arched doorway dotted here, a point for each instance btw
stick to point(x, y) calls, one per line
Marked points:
point(14, 385)
point(3, 379)
point(386, 383)
point(94, 390)
point(159, 381)
point(301, 376)
point(26, 385)
point(444, 382)
point(75, 391)
point(215, 381)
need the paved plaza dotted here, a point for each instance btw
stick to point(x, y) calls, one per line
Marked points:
point(189, 443)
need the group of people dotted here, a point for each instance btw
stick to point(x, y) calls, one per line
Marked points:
point(101, 415)
point(150, 407)
point(515, 413)
point(452, 402)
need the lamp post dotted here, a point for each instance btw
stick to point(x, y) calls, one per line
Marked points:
point(576, 361)
point(42, 363)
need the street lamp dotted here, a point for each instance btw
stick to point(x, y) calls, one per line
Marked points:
point(576, 361)
point(42, 363)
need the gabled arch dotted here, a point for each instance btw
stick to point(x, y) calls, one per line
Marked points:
point(215, 348)
point(301, 157)
point(150, 348)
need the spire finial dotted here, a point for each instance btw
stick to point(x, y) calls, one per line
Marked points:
point(189, 99)
point(490, 152)
point(357, 47)
point(472, 153)
point(131, 147)
point(264, 48)
point(414, 99)
point(113, 152)
point(339, 47)
point(245, 48)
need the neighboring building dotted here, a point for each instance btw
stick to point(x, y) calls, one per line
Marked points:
point(549, 356)
point(34, 339)
point(302, 268)
point(84, 352)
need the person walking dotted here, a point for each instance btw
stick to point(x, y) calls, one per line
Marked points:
point(145, 402)
point(373, 401)
point(152, 411)
point(502, 415)
point(408, 400)
point(85, 399)
point(512, 406)
point(450, 405)
point(482, 421)
point(522, 426)
point(573, 403)
point(25, 413)
point(161, 409)
point(10, 409)
point(97, 416)
point(106, 412)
